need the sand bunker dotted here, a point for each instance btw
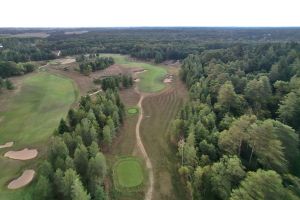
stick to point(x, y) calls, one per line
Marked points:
point(25, 154)
point(136, 80)
point(6, 145)
point(140, 71)
point(67, 61)
point(23, 180)
point(167, 80)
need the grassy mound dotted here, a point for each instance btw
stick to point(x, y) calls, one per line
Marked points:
point(133, 110)
point(128, 174)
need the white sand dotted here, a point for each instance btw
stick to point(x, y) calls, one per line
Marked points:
point(168, 80)
point(23, 180)
point(25, 154)
point(6, 145)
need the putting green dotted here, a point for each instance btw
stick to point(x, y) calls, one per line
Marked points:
point(151, 80)
point(128, 173)
point(29, 120)
point(132, 111)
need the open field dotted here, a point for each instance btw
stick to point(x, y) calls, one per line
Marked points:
point(128, 174)
point(150, 80)
point(29, 118)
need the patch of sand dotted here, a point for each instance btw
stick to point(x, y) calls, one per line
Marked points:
point(66, 61)
point(23, 180)
point(167, 80)
point(25, 154)
point(136, 80)
point(6, 145)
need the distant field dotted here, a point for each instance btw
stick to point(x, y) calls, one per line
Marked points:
point(29, 119)
point(128, 174)
point(150, 80)
point(27, 35)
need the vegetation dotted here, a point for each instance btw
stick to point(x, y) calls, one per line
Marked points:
point(116, 82)
point(132, 110)
point(28, 118)
point(87, 66)
point(239, 131)
point(76, 168)
point(128, 174)
point(8, 69)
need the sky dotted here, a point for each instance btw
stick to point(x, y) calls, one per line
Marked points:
point(135, 13)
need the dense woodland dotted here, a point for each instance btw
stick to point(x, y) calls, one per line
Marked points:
point(156, 44)
point(115, 82)
point(238, 137)
point(75, 167)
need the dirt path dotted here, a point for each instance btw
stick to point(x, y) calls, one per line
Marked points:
point(140, 145)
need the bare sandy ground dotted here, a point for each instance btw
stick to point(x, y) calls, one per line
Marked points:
point(167, 80)
point(25, 154)
point(6, 145)
point(23, 180)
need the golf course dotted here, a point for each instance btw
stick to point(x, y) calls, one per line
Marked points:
point(28, 120)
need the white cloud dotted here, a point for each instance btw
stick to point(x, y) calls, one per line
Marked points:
point(109, 13)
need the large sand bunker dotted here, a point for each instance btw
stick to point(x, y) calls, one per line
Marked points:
point(6, 145)
point(23, 180)
point(25, 154)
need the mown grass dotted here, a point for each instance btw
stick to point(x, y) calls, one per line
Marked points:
point(160, 110)
point(133, 110)
point(29, 120)
point(150, 80)
point(128, 174)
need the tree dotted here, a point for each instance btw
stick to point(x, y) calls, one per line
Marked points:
point(107, 136)
point(289, 109)
point(63, 127)
point(260, 185)
point(43, 189)
point(78, 191)
point(100, 194)
point(81, 160)
point(68, 181)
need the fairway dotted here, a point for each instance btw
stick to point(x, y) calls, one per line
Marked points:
point(132, 111)
point(29, 120)
point(128, 173)
point(150, 80)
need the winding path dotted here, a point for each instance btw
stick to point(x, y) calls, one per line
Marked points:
point(140, 145)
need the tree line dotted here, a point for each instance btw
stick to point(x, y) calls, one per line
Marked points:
point(75, 167)
point(87, 66)
point(238, 136)
point(10, 68)
point(115, 82)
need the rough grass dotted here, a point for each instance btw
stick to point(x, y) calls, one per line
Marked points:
point(29, 119)
point(150, 80)
point(128, 174)
point(159, 111)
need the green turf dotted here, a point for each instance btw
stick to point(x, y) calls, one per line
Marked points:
point(30, 118)
point(128, 173)
point(132, 110)
point(151, 80)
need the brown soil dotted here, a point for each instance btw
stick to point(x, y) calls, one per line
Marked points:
point(23, 180)
point(25, 154)
point(6, 145)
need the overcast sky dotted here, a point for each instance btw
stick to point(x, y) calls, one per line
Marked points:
point(122, 13)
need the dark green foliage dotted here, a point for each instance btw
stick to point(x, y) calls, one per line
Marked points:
point(236, 96)
point(116, 82)
point(86, 67)
point(74, 154)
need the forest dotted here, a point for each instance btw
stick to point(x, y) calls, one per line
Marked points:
point(238, 136)
point(76, 168)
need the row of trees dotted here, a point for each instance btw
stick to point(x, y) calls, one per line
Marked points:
point(100, 63)
point(116, 82)
point(9, 68)
point(238, 137)
point(75, 167)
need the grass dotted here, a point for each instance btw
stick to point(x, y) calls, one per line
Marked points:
point(29, 120)
point(133, 110)
point(151, 80)
point(161, 109)
point(128, 174)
